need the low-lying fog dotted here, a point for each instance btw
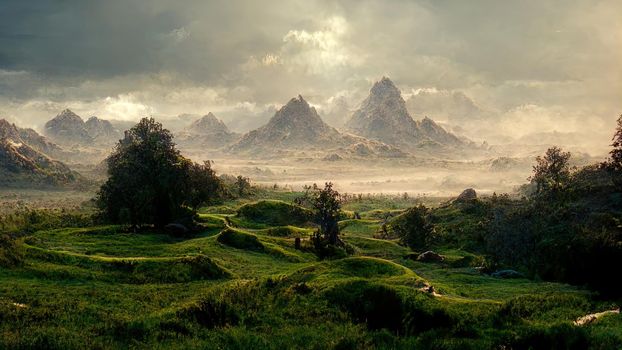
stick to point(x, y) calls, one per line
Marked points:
point(379, 176)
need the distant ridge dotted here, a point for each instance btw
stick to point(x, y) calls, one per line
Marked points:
point(68, 128)
point(383, 116)
point(23, 163)
point(207, 131)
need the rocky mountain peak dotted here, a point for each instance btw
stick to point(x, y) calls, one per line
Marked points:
point(383, 116)
point(297, 113)
point(68, 115)
point(385, 89)
point(208, 124)
point(6, 128)
point(101, 130)
point(68, 128)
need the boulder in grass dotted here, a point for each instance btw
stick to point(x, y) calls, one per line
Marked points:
point(466, 196)
point(176, 229)
point(430, 256)
point(506, 274)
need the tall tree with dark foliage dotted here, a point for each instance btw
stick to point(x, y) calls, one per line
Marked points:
point(150, 182)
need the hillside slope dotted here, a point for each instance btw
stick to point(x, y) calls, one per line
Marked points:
point(25, 165)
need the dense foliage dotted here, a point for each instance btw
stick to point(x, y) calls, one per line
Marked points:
point(150, 182)
point(569, 231)
point(551, 172)
point(414, 228)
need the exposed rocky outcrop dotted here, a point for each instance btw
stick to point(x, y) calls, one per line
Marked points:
point(30, 137)
point(466, 196)
point(23, 165)
point(430, 256)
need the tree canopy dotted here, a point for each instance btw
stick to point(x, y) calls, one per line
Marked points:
point(551, 172)
point(150, 182)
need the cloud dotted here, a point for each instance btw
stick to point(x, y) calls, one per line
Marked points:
point(179, 34)
point(125, 107)
point(164, 58)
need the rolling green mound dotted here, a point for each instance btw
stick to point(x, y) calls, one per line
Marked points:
point(368, 267)
point(130, 270)
point(274, 213)
point(240, 240)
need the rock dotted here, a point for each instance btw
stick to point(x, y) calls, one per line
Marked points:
point(176, 229)
point(333, 157)
point(430, 256)
point(466, 196)
point(507, 274)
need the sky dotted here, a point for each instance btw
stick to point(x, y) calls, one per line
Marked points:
point(494, 69)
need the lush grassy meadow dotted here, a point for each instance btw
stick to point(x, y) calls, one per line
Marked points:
point(240, 283)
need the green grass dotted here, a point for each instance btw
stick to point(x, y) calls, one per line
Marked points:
point(240, 284)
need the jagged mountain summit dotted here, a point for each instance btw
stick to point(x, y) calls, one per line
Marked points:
point(383, 116)
point(298, 126)
point(207, 131)
point(9, 131)
point(68, 128)
point(24, 164)
point(102, 131)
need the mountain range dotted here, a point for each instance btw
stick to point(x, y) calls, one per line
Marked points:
point(25, 161)
point(382, 126)
point(68, 128)
point(297, 127)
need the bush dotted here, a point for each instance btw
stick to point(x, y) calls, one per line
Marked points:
point(414, 228)
point(211, 312)
point(376, 305)
point(11, 252)
point(239, 240)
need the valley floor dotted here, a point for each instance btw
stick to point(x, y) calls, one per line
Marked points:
point(242, 284)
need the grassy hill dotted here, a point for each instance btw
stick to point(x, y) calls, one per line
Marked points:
point(241, 284)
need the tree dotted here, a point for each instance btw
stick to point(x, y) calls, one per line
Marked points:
point(551, 172)
point(203, 186)
point(243, 185)
point(326, 205)
point(414, 228)
point(616, 152)
point(149, 181)
point(614, 164)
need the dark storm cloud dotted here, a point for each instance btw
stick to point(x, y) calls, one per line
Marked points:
point(127, 58)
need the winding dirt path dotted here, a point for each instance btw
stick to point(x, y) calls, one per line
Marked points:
point(587, 319)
